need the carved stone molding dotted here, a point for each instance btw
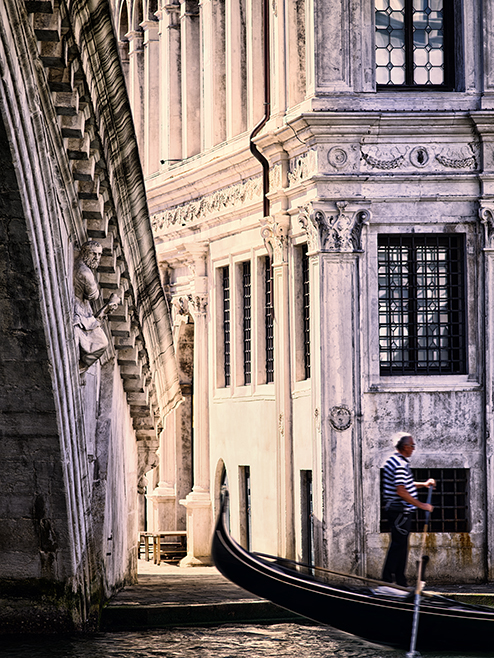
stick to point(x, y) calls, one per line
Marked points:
point(180, 310)
point(198, 303)
point(338, 232)
point(302, 168)
point(340, 417)
point(464, 157)
point(274, 232)
point(212, 204)
point(384, 157)
point(486, 214)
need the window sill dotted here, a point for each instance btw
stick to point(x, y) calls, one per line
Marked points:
point(423, 383)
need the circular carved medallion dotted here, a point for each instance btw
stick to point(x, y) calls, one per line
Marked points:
point(340, 418)
point(419, 156)
point(337, 157)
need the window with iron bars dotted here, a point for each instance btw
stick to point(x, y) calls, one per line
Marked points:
point(422, 324)
point(225, 277)
point(247, 320)
point(306, 309)
point(414, 44)
point(268, 319)
point(450, 500)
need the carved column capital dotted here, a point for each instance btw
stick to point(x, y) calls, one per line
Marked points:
point(339, 231)
point(486, 214)
point(274, 232)
point(198, 303)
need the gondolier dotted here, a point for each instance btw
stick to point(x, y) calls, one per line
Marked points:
point(400, 497)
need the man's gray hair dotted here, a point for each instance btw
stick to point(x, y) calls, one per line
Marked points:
point(399, 439)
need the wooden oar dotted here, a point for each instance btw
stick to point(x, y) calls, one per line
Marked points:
point(418, 588)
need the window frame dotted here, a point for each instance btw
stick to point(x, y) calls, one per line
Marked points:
point(449, 63)
point(414, 241)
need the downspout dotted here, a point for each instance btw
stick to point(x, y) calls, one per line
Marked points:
point(267, 110)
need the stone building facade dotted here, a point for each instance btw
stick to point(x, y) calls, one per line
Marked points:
point(79, 425)
point(320, 179)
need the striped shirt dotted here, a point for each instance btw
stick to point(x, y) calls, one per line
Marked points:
point(397, 472)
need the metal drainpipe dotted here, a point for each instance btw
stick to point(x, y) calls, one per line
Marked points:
point(267, 110)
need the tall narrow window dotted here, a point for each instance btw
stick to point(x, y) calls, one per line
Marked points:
point(307, 513)
point(306, 310)
point(414, 44)
point(226, 325)
point(268, 319)
point(245, 507)
point(421, 305)
point(247, 321)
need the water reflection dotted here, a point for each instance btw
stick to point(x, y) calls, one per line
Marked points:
point(274, 641)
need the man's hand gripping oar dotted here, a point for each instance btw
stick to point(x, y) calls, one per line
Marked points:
point(420, 584)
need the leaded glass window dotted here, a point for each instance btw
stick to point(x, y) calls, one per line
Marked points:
point(225, 280)
point(421, 304)
point(414, 43)
point(269, 319)
point(247, 319)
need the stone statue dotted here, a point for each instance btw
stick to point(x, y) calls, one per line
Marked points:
point(91, 339)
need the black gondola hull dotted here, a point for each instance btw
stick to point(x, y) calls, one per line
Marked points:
point(444, 624)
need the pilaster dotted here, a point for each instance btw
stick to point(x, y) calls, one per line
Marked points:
point(275, 232)
point(191, 77)
point(170, 94)
point(213, 102)
point(151, 96)
point(198, 501)
point(486, 213)
point(136, 83)
point(334, 245)
point(236, 94)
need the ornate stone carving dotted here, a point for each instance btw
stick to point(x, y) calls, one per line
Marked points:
point(341, 232)
point(302, 167)
point(337, 157)
point(384, 158)
point(458, 158)
point(486, 214)
point(90, 338)
point(180, 306)
point(275, 177)
point(340, 417)
point(274, 232)
point(419, 156)
point(201, 209)
point(199, 303)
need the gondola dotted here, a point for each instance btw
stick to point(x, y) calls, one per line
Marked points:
point(380, 614)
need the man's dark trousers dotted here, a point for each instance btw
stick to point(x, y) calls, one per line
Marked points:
point(396, 559)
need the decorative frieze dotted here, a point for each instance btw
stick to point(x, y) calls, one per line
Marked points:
point(463, 157)
point(339, 232)
point(303, 167)
point(384, 157)
point(200, 209)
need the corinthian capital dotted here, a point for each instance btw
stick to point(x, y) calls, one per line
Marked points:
point(339, 231)
point(274, 232)
point(198, 303)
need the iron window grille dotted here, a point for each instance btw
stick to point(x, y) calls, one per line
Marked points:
point(450, 500)
point(247, 320)
point(225, 277)
point(414, 44)
point(306, 310)
point(268, 319)
point(422, 325)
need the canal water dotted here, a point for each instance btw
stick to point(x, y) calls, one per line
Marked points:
point(229, 641)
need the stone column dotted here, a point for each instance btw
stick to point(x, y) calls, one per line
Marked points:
point(213, 67)
point(151, 96)
point(198, 501)
point(136, 84)
point(275, 234)
point(335, 237)
point(163, 497)
point(191, 77)
point(487, 217)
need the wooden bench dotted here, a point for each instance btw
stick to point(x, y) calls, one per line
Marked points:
point(169, 546)
point(146, 545)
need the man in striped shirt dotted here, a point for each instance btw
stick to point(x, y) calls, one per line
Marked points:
point(400, 497)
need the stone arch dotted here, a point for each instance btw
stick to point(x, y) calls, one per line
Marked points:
point(137, 16)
